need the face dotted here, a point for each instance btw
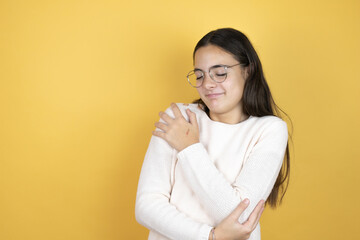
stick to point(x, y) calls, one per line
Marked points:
point(224, 100)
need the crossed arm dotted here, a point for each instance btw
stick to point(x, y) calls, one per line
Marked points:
point(180, 134)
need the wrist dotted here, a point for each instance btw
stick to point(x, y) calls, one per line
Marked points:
point(212, 234)
point(187, 145)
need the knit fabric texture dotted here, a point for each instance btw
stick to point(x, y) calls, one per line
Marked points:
point(182, 195)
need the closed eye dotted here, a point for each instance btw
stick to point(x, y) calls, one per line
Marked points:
point(220, 74)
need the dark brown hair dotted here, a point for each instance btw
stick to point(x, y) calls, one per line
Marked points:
point(257, 99)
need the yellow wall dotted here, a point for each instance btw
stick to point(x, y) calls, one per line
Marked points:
point(81, 83)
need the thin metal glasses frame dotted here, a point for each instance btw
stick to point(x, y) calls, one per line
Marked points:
point(209, 72)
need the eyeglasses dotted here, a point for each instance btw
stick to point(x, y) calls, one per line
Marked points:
point(218, 73)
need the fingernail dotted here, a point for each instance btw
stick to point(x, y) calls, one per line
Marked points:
point(246, 201)
point(262, 209)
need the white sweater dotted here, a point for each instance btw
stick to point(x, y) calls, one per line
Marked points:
point(182, 195)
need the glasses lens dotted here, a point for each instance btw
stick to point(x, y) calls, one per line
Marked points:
point(195, 78)
point(218, 74)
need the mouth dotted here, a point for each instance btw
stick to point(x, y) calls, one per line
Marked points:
point(214, 95)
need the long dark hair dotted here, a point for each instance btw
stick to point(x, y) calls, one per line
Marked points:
point(257, 99)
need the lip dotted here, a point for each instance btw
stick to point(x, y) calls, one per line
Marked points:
point(214, 95)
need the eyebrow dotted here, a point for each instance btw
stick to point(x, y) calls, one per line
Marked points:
point(217, 65)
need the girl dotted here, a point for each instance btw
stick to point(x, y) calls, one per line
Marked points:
point(227, 148)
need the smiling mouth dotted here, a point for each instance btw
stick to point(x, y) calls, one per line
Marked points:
point(213, 95)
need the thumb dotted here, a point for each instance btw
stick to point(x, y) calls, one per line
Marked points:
point(240, 209)
point(192, 117)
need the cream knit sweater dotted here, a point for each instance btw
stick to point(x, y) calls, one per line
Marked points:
point(181, 195)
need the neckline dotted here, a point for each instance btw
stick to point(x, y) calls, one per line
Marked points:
point(222, 123)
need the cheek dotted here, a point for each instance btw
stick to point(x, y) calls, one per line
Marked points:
point(200, 91)
point(230, 86)
point(235, 88)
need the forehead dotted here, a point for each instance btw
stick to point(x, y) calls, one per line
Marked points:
point(211, 55)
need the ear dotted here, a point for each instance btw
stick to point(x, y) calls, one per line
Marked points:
point(245, 72)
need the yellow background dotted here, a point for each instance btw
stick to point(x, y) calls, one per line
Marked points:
point(81, 83)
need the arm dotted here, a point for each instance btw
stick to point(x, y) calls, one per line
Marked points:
point(218, 196)
point(254, 182)
point(153, 209)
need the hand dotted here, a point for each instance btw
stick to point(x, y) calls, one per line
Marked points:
point(178, 132)
point(230, 228)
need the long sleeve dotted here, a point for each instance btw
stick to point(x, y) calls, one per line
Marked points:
point(153, 208)
point(255, 180)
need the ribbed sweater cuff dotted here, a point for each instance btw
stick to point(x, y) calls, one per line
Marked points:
point(193, 149)
point(205, 232)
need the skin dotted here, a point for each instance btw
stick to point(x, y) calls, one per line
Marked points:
point(224, 101)
point(230, 228)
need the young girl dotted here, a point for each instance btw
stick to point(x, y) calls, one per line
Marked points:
point(227, 148)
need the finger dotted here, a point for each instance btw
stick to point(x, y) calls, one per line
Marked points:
point(192, 117)
point(240, 209)
point(159, 134)
point(255, 215)
point(162, 126)
point(176, 110)
point(165, 117)
point(255, 223)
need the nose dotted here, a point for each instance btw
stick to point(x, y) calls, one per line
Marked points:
point(208, 83)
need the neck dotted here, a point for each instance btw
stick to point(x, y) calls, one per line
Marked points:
point(229, 117)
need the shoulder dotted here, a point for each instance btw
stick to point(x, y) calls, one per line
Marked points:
point(183, 106)
point(271, 125)
point(271, 121)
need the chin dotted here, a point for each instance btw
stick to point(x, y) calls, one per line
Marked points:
point(215, 109)
point(218, 108)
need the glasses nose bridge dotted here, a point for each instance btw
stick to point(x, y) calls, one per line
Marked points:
point(208, 79)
